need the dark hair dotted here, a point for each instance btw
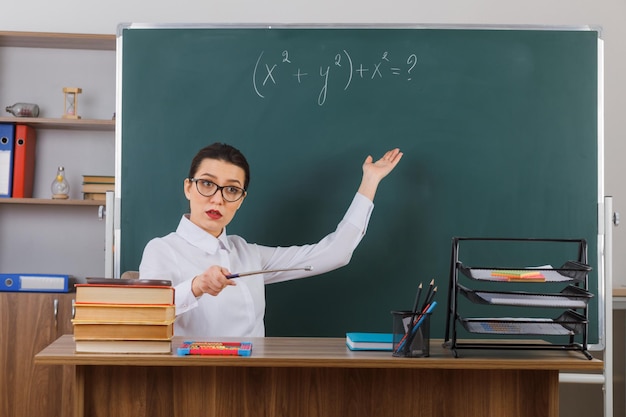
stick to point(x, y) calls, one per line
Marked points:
point(221, 152)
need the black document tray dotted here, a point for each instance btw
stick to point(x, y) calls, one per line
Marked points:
point(567, 324)
point(569, 271)
point(570, 297)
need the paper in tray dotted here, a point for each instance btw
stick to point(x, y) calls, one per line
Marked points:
point(568, 324)
point(570, 297)
point(569, 271)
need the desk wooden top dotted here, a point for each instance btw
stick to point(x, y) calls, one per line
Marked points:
point(619, 292)
point(302, 352)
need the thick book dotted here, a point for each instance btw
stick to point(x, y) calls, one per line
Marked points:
point(124, 294)
point(95, 196)
point(369, 341)
point(130, 281)
point(92, 329)
point(129, 313)
point(98, 188)
point(123, 346)
point(215, 348)
point(99, 179)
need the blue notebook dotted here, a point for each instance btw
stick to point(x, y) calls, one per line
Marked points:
point(369, 341)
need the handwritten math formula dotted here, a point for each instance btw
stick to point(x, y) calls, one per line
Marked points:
point(271, 71)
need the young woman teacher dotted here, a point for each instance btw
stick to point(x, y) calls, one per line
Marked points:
point(199, 255)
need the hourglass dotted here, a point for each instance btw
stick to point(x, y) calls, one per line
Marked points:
point(71, 102)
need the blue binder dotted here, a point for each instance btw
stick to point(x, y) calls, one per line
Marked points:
point(7, 147)
point(34, 282)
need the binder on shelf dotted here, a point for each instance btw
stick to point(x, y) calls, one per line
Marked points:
point(7, 136)
point(24, 161)
point(34, 283)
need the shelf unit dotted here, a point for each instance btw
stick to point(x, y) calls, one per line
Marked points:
point(51, 202)
point(57, 40)
point(58, 234)
point(525, 309)
point(64, 124)
point(59, 124)
point(35, 68)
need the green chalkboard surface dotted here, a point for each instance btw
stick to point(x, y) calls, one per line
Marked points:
point(499, 128)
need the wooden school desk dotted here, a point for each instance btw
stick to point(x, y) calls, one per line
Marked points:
point(294, 377)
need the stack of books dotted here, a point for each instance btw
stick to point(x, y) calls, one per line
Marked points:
point(96, 186)
point(124, 316)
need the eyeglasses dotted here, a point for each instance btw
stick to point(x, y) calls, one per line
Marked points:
point(207, 188)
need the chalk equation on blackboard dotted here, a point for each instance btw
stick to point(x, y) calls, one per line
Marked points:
point(270, 73)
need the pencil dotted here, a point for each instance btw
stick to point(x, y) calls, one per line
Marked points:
point(428, 294)
point(415, 304)
point(417, 298)
point(430, 298)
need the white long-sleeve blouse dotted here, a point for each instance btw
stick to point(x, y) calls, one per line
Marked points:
point(239, 310)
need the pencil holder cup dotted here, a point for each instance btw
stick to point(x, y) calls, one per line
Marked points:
point(411, 334)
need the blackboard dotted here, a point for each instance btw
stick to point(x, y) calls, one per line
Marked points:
point(499, 128)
